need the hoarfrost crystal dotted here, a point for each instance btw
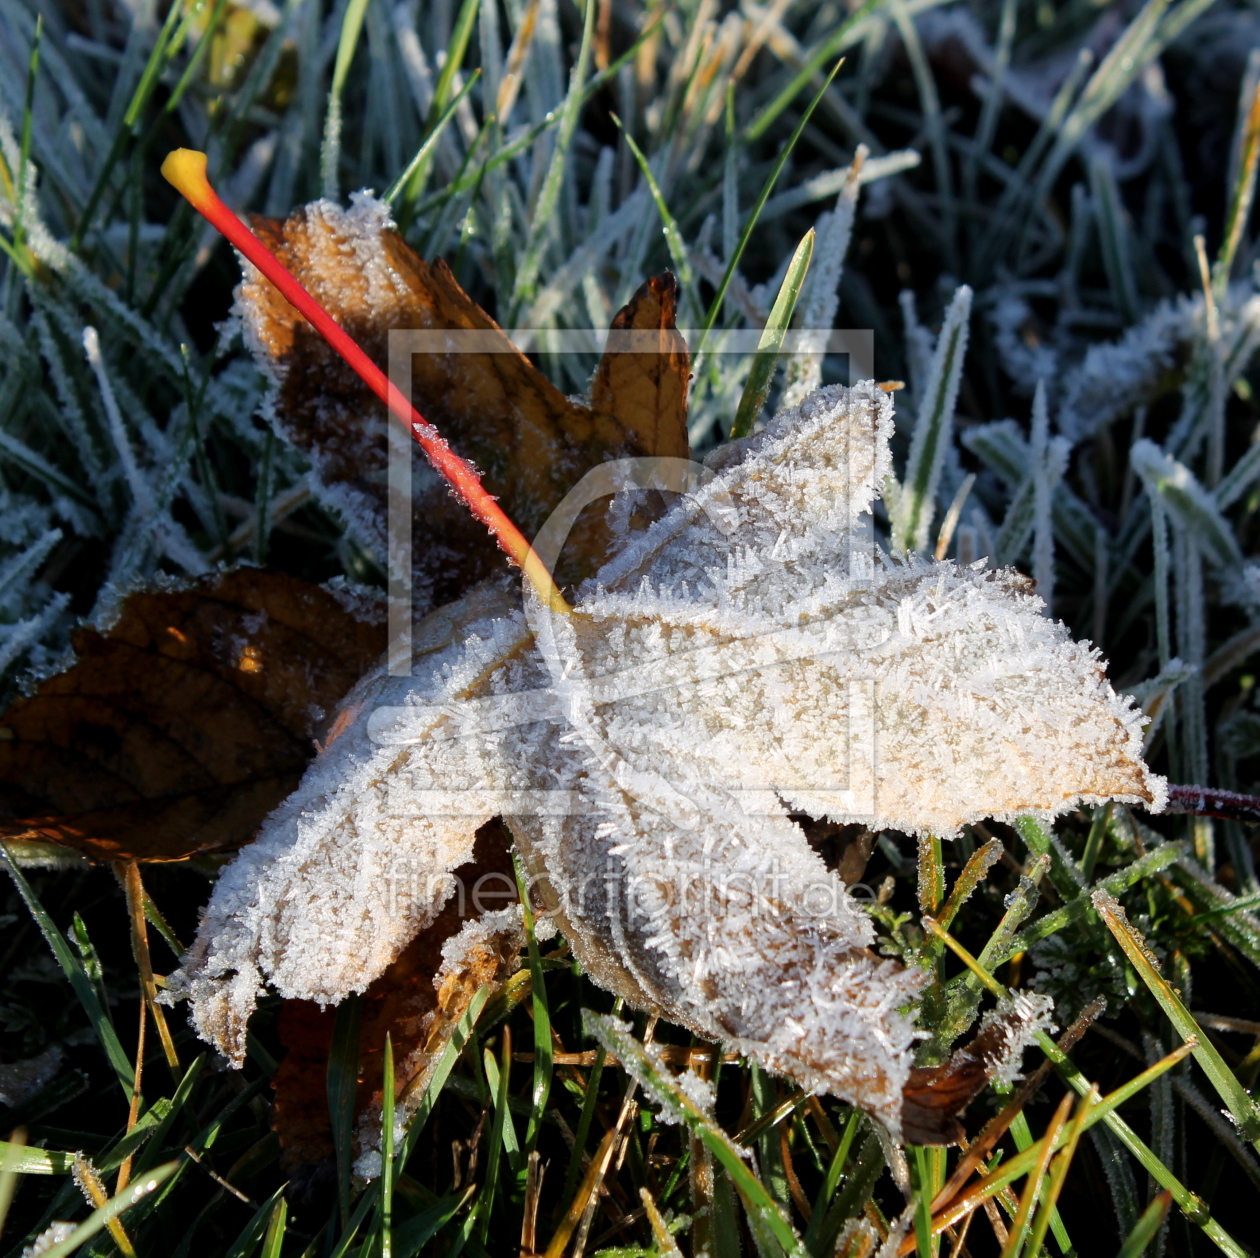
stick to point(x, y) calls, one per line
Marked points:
point(749, 657)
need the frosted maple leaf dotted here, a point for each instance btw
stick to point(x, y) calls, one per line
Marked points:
point(749, 657)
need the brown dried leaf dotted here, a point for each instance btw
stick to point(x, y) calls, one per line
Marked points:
point(647, 391)
point(418, 1001)
point(530, 443)
point(185, 722)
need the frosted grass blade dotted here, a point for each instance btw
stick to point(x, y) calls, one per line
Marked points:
point(106, 1214)
point(1147, 1227)
point(79, 981)
point(615, 1036)
point(673, 236)
point(732, 263)
point(540, 223)
point(426, 150)
point(1245, 1111)
point(1192, 506)
point(757, 386)
point(933, 429)
point(1243, 176)
point(330, 148)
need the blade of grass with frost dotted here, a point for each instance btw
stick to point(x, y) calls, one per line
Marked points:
point(23, 1159)
point(24, 156)
point(106, 1214)
point(149, 77)
point(986, 126)
point(757, 386)
point(821, 298)
point(77, 977)
point(1242, 1107)
point(1191, 633)
point(1046, 472)
point(673, 237)
point(1191, 1205)
point(848, 33)
point(521, 142)
point(933, 429)
point(450, 1054)
point(330, 147)
point(754, 215)
point(1114, 237)
point(1242, 185)
point(541, 219)
point(1187, 501)
point(426, 150)
point(763, 1213)
point(930, 105)
point(1154, 862)
point(1147, 1227)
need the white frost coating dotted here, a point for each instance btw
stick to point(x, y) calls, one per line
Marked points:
point(747, 656)
point(1115, 378)
point(1017, 1020)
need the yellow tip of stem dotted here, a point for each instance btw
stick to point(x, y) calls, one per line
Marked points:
point(185, 171)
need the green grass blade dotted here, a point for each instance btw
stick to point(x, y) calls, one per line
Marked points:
point(343, 1083)
point(616, 1038)
point(79, 981)
point(1191, 1205)
point(1245, 1112)
point(543, 1055)
point(732, 263)
point(456, 51)
point(273, 1241)
point(673, 236)
point(330, 148)
point(1079, 907)
point(460, 1037)
point(574, 1173)
point(770, 343)
point(844, 36)
point(416, 169)
point(99, 1218)
point(836, 1168)
point(1191, 506)
point(23, 1159)
point(933, 429)
point(260, 1223)
point(541, 219)
point(388, 1169)
point(1147, 1227)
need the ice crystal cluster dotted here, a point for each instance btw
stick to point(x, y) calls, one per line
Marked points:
point(750, 656)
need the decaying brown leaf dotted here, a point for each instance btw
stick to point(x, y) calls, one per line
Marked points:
point(183, 723)
point(645, 386)
point(530, 443)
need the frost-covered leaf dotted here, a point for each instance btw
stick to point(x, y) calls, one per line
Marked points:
point(186, 720)
point(747, 658)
